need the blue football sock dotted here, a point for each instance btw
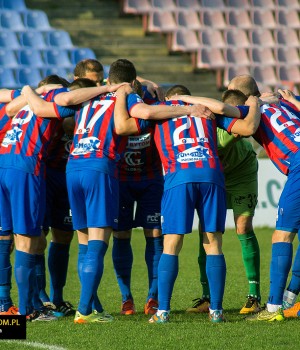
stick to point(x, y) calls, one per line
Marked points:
point(282, 254)
point(37, 302)
point(92, 270)
point(216, 275)
point(58, 261)
point(40, 271)
point(294, 285)
point(167, 274)
point(154, 249)
point(25, 278)
point(82, 249)
point(5, 275)
point(122, 260)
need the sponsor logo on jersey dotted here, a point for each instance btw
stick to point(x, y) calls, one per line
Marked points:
point(133, 158)
point(86, 145)
point(12, 137)
point(193, 154)
point(296, 135)
point(139, 142)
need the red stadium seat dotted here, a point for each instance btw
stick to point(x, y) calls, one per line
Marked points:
point(237, 56)
point(161, 22)
point(289, 73)
point(239, 19)
point(288, 18)
point(261, 37)
point(263, 4)
point(287, 55)
point(188, 19)
point(237, 37)
point(291, 4)
point(265, 75)
point(213, 5)
point(264, 18)
point(211, 38)
point(184, 40)
point(287, 37)
point(164, 5)
point(191, 5)
point(235, 4)
point(213, 19)
point(232, 71)
point(137, 6)
point(262, 56)
point(210, 58)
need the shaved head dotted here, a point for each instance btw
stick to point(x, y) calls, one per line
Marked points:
point(246, 84)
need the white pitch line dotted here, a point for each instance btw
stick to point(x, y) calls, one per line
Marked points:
point(34, 344)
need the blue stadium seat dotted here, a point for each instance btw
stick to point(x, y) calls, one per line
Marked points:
point(7, 78)
point(16, 5)
point(8, 59)
point(57, 57)
point(59, 38)
point(33, 39)
point(36, 19)
point(81, 53)
point(31, 58)
point(11, 20)
point(60, 71)
point(28, 76)
point(9, 40)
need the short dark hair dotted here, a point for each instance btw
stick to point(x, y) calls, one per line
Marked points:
point(121, 71)
point(177, 90)
point(234, 97)
point(82, 83)
point(54, 79)
point(87, 65)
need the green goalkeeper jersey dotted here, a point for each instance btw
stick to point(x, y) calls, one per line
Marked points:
point(238, 158)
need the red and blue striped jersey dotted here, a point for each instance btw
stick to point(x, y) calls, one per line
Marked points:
point(24, 145)
point(96, 144)
point(188, 148)
point(141, 160)
point(279, 134)
point(59, 150)
point(5, 120)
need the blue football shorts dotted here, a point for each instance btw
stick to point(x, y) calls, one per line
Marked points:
point(22, 202)
point(147, 195)
point(179, 204)
point(58, 212)
point(288, 211)
point(94, 199)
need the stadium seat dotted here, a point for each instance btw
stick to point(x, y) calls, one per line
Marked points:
point(11, 20)
point(7, 78)
point(288, 18)
point(16, 5)
point(289, 73)
point(237, 38)
point(188, 19)
point(28, 76)
point(62, 72)
point(213, 5)
point(237, 56)
point(291, 4)
point(239, 19)
point(9, 40)
point(31, 58)
point(193, 5)
point(81, 53)
point(262, 56)
point(185, 41)
point(287, 55)
point(213, 19)
point(263, 4)
point(232, 71)
point(161, 22)
point(57, 57)
point(235, 4)
point(33, 39)
point(211, 38)
point(210, 58)
point(286, 37)
point(164, 5)
point(265, 75)
point(36, 19)
point(59, 38)
point(137, 6)
point(261, 37)
point(8, 59)
point(263, 18)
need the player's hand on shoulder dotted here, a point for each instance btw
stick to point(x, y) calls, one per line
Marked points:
point(124, 88)
point(252, 101)
point(286, 94)
point(201, 111)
